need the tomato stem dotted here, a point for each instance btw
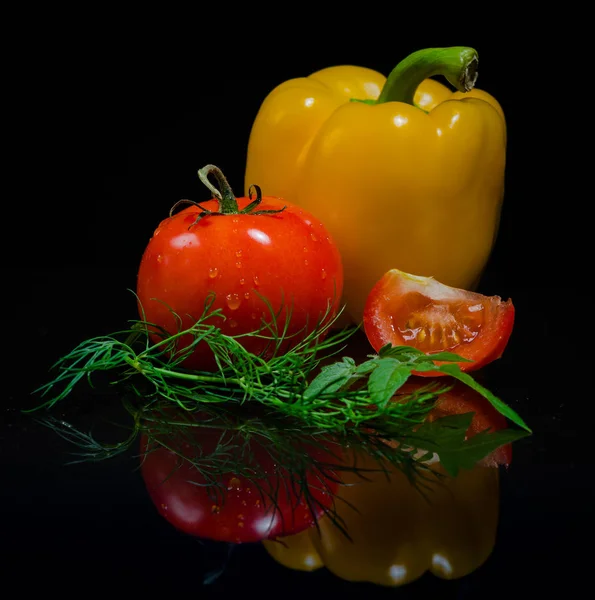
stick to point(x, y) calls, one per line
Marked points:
point(457, 64)
point(228, 204)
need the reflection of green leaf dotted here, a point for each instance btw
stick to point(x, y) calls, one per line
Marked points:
point(388, 376)
point(478, 447)
point(446, 437)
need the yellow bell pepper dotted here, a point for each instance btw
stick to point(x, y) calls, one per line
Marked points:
point(397, 535)
point(403, 172)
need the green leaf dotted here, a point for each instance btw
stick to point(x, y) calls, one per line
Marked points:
point(331, 378)
point(499, 405)
point(446, 356)
point(404, 353)
point(388, 376)
point(366, 367)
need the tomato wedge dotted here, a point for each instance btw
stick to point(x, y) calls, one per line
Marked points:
point(410, 310)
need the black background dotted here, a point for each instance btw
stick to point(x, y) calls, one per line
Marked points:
point(111, 128)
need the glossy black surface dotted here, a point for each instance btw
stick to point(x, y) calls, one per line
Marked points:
point(108, 152)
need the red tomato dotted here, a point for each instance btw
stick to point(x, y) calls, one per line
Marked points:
point(287, 257)
point(461, 399)
point(243, 510)
point(404, 309)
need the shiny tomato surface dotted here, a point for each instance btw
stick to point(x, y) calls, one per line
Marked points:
point(404, 309)
point(281, 268)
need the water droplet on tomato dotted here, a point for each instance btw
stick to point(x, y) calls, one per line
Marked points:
point(235, 220)
point(215, 509)
point(305, 249)
point(254, 315)
point(239, 253)
point(256, 280)
point(233, 301)
point(248, 490)
point(240, 524)
point(241, 517)
point(247, 295)
point(159, 258)
point(213, 272)
point(242, 281)
point(233, 324)
point(234, 483)
point(313, 237)
point(239, 264)
point(164, 506)
point(257, 502)
point(306, 262)
point(244, 503)
point(323, 274)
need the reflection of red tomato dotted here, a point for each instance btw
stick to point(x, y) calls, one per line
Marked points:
point(461, 399)
point(243, 510)
point(286, 259)
point(404, 309)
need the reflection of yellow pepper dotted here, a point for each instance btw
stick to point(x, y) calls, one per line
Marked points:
point(397, 534)
point(410, 176)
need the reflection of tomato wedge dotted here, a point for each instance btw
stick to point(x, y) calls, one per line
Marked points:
point(404, 309)
point(461, 399)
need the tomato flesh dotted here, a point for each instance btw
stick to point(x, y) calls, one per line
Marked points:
point(404, 309)
point(267, 268)
point(239, 508)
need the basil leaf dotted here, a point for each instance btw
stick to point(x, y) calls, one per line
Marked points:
point(331, 378)
point(388, 376)
point(501, 407)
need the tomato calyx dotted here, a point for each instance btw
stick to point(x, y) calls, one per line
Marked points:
point(228, 205)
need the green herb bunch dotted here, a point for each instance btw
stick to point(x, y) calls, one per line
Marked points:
point(309, 391)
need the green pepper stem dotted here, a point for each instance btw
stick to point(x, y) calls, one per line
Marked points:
point(457, 64)
point(228, 205)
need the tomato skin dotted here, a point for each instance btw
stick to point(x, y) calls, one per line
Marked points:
point(288, 258)
point(241, 510)
point(404, 309)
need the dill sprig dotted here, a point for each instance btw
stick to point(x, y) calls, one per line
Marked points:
point(306, 387)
